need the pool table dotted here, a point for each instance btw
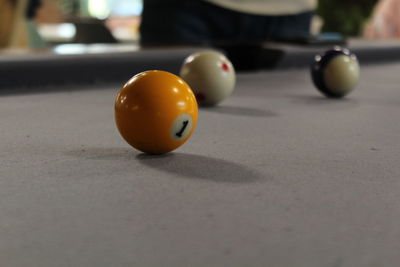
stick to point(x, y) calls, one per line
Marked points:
point(276, 175)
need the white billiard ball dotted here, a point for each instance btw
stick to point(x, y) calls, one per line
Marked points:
point(336, 73)
point(211, 76)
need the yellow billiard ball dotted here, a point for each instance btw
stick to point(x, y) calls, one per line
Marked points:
point(156, 112)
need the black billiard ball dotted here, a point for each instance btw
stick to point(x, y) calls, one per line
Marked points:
point(336, 73)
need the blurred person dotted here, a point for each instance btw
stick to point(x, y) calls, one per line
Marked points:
point(35, 40)
point(203, 22)
point(385, 20)
point(6, 21)
point(12, 30)
point(16, 26)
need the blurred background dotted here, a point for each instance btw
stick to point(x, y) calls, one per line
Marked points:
point(48, 23)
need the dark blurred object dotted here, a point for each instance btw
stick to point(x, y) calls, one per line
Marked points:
point(345, 16)
point(33, 6)
point(250, 56)
point(89, 31)
point(46, 70)
point(323, 39)
point(194, 22)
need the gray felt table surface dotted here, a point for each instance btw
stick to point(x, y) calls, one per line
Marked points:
point(275, 176)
